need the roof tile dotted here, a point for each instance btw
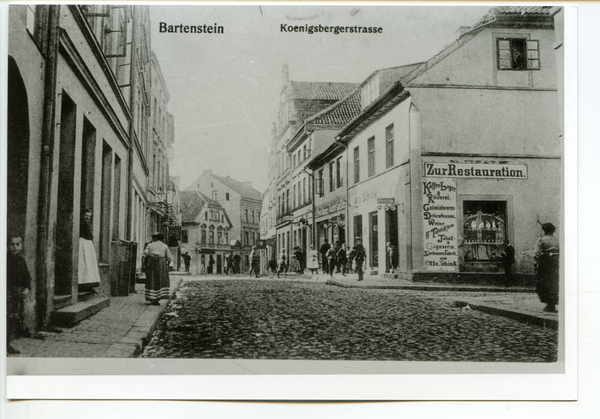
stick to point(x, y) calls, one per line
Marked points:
point(321, 90)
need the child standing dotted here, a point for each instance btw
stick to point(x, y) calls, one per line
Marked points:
point(18, 283)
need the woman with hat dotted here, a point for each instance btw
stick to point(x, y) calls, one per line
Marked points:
point(158, 256)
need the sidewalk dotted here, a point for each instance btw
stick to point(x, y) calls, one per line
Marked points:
point(121, 330)
point(518, 303)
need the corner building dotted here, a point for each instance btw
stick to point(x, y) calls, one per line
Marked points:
point(460, 153)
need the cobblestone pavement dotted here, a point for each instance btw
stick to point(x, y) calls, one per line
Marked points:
point(282, 319)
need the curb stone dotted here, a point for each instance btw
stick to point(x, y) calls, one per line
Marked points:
point(512, 314)
point(134, 342)
point(461, 288)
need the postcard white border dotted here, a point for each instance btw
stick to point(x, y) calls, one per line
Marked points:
point(349, 387)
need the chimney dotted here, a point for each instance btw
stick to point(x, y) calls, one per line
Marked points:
point(249, 183)
point(286, 74)
point(207, 172)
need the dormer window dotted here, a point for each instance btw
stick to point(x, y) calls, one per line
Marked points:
point(518, 54)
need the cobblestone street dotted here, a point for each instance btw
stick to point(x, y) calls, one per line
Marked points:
point(284, 319)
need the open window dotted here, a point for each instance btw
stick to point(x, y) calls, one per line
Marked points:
point(518, 54)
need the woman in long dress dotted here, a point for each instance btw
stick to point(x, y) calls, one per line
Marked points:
point(88, 275)
point(313, 260)
point(546, 257)
point(158, 256)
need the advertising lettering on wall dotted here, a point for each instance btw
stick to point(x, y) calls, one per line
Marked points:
point(440, 241)
point(475, 170)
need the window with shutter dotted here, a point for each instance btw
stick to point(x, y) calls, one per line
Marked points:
point(518, 54)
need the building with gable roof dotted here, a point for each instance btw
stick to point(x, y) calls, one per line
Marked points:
point(205, 232)
point(460, 153)
point(310, 114)
point(243, 204)
point(330, 166)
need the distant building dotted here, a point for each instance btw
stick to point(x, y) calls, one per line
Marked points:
point(205, 232)
point(242, 203)
point(308, 121)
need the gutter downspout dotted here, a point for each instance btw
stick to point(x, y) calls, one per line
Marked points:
point(347, 191)
point(313, 206)
point(132, 88)
point(48, 129)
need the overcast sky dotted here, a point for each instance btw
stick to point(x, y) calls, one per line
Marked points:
point(225, 88)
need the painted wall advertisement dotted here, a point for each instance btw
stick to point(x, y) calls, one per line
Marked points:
point(440, 252)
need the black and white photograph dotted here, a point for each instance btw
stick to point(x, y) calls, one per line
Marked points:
point(289, 189)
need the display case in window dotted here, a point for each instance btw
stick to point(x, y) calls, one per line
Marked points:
point(484, 231)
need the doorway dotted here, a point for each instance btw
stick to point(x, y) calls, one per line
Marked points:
point(17, 151)
point(391, 237)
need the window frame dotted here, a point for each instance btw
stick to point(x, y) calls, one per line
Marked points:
point(371, 156)
point(356, 165)
point(389, 146)
point(526, 41)
point(332, 176)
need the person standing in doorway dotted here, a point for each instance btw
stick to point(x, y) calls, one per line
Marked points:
point(158, 284)
point(546, 256)
point(359, 257)
point(392, 253)
point(508, 258)
point(18, 283)
point(323, 250)
point(88, 275)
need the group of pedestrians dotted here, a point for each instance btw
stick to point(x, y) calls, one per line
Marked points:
point(337, 259)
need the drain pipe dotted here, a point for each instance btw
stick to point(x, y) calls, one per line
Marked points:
point(132, 88)
point(48, 129)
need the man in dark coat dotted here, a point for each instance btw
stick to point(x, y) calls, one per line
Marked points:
point(323, 250)
point(359, 257)
point(508, 258)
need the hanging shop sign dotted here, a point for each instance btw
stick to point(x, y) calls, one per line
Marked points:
point(440, 241)
point(475, 170)
point(331, 208)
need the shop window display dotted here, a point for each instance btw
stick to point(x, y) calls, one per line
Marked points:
point(484, 230)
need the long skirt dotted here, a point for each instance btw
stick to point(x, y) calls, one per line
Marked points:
point(88, 264)
point(158, 285)
point(547, 279)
